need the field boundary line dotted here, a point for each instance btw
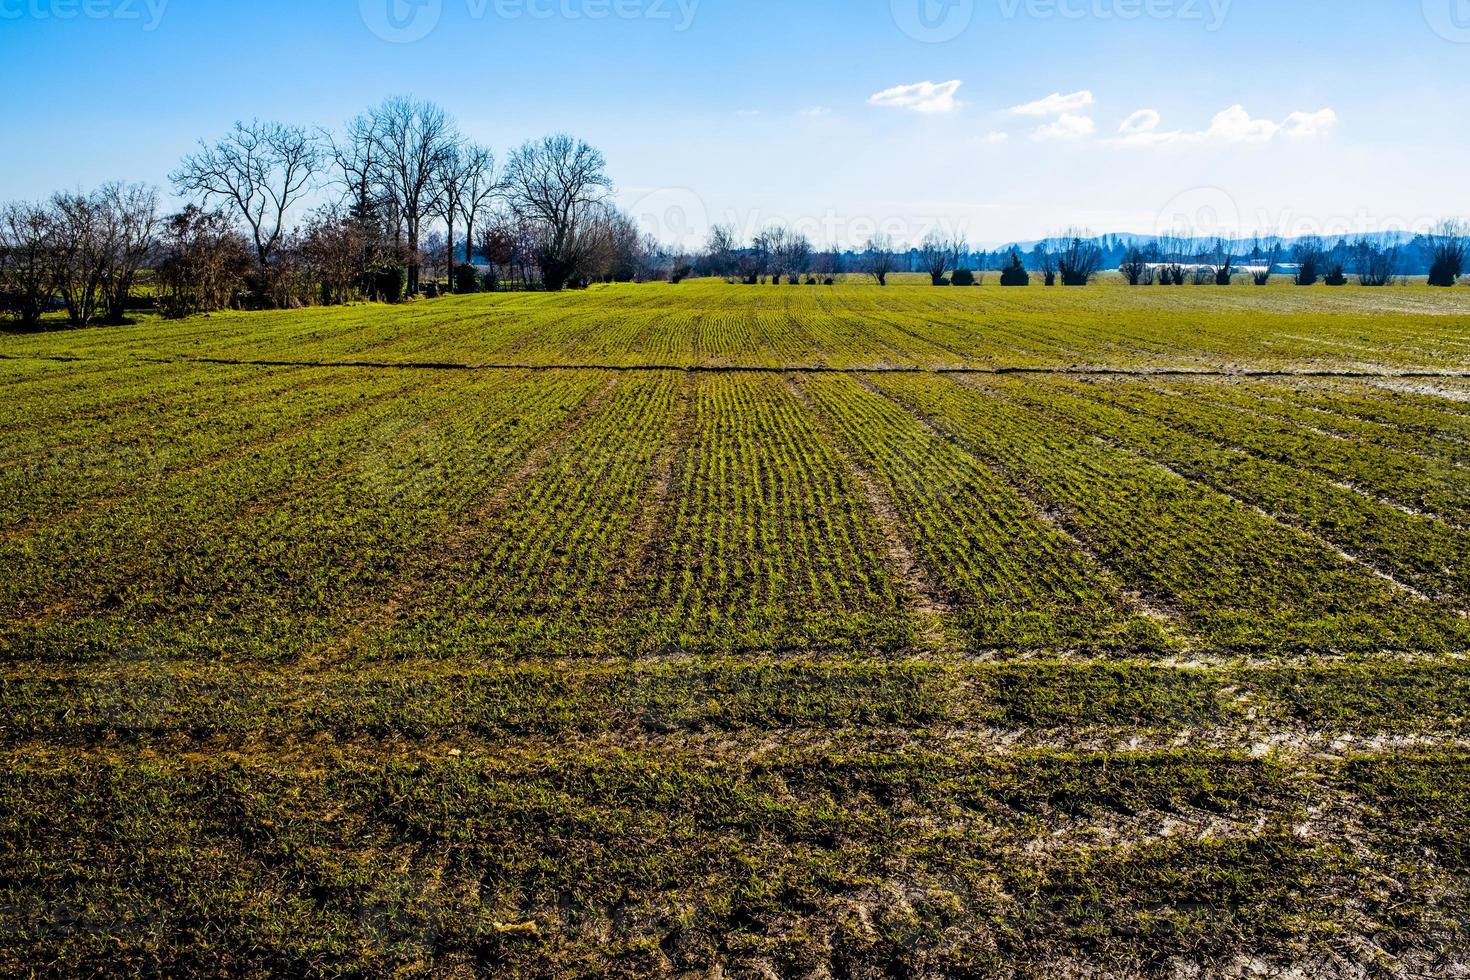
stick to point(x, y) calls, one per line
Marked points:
point(1000, 369)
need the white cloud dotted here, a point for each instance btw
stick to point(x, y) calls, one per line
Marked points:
point(996, 137)
point(1309, 125)
point(1142, 121)
point(1068, 126)
point(748, 113)
point(926, 97)
point(1232, 125)
point(816, 112)
point(1055, 104)
point(1235, 125)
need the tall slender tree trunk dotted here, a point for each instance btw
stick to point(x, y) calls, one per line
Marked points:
point(449, 250)
point(413, 262)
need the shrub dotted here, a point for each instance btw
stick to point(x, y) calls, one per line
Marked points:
point(963, 277)
point(1134, 267)
point(1015, 274)
point(1337, 276)
point(1449, 252)
point(1310, 257)
point(828, 281)
point(466, 279)
point(490, 282)
point(1078, 262)
point(389, 283)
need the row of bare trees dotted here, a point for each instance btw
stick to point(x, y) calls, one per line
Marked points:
point(400, 192)
point(1175, 260)
point(775, 254)
point(81, 251)
point(403, 166)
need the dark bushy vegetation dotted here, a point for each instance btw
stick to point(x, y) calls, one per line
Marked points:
point(1015, 273)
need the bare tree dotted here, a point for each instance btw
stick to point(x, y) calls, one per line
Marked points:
point(203, 262)
point(1376, 264)
point(413, 139)
point(769, 249)
point(938, 255)
point(26, 273)
point(131, 212)
point(81, 245)
point(331, 250)
point(1221, 262)
point(1078, 257)
point(1311, 255)
point(448, 199)
point(480, 188)
point(358, 166)
point(560, 183)
point(1173, 254)
point(878, 258)
point(795, 256)
point(1044, 257)
point(1264, 259)
point(719, 250)
point(260, 170)
point(358, 169)
point(1134, 266)
point(1449, 250)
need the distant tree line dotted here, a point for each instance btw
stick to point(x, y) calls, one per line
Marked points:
point(394, 176)
point(1310, 260)
point(1076, 257)
point(413, 208)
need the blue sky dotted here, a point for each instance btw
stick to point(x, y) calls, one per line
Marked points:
point(839, 117)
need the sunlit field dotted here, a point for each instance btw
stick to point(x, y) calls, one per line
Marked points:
point(773, 630)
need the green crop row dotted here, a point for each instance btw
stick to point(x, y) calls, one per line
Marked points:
point(1417, 550)
point(1232, 578)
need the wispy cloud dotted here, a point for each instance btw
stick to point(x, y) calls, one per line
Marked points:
point(926, 97)
point(1068, 126)
point(1232, 125)
point(816, 112)
point(1055, 104)
point(996, 137)
point(1309, 125)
